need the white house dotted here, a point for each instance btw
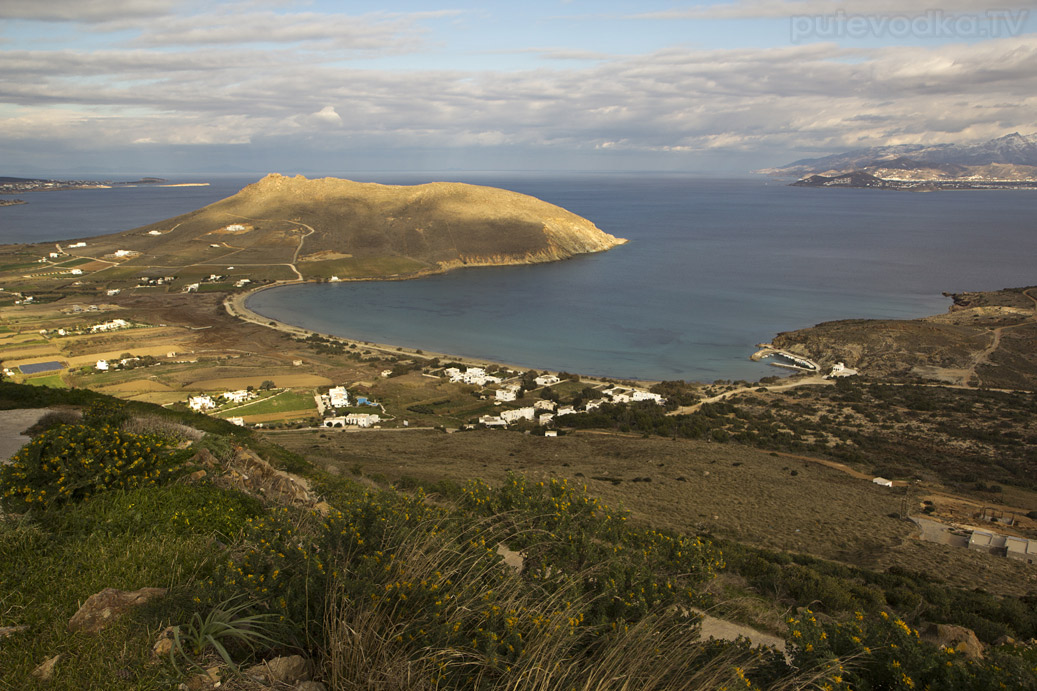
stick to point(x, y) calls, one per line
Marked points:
point(596, 403)
point(639, 395)
point(492, 421)
point(882, 481)
point(235, 228)
point(544, 404)
point(335, 421)
point(545, 418)
point(517, 414)
point(239, 396)
point(239, 421)
point(547, 380)
point(200, 403)
point(362, 419)
point(551, 433)
point(508, 393)
point(386, 373)
point(78, 244)
point(124, 253)
point(102, 365)
point(841, 370)
point(453, 374)
point(338, 396)
point(242, 282)
point(191, 288)
point(565, 410)
point(109, 326)
point(112, 291)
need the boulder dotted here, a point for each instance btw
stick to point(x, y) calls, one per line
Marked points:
point(958, 638)
point(6, 631)
point(102, 608)
point(281, 670)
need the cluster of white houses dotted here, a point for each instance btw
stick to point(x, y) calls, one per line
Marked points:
point(205, 402)
point(544, 412)
point(338, 397)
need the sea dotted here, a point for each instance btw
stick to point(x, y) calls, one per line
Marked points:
point(712, 268)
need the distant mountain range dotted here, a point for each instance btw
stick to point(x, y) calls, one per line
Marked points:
point(1009, 161)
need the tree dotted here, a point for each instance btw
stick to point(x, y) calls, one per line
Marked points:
point(266, 385)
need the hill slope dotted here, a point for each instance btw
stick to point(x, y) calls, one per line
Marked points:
point(326, 227)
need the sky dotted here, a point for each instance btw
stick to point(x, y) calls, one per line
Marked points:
point(703, 86)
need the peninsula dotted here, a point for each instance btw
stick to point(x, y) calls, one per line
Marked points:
point(293, 228)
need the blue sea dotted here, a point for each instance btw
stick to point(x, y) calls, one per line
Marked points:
point(712, 268)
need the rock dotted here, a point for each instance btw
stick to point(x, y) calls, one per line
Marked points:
point(281, 670)
point(323, 508)
point(197, 475)
point(958, 638)
point(46, 669)
point(210, 679)
point(1005, 640)
point(164, 644)
point(103, 607)
point(6, 631)
point(309, 686)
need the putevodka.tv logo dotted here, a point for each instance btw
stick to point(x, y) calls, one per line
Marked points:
point(929, 24)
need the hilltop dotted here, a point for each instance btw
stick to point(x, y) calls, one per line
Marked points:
point(295, 228)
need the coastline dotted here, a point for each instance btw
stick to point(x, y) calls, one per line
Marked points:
point(235, 306)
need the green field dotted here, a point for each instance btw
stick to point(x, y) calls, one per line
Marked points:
point(54, 381)
point(284, 402)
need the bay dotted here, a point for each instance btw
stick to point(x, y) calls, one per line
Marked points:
point(712, 268)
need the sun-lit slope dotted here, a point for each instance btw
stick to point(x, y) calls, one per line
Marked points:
point(353, 228)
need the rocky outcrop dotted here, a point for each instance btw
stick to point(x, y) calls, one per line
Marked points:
point(288, 670)
point(100, 609)
point(958, 638)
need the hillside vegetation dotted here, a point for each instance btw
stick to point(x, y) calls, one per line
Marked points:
point(381, 588)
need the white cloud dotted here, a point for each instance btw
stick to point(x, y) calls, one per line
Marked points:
point(83, 10)
point(327, 115)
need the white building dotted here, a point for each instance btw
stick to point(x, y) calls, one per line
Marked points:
point(841, 370)
point(544, 404)
point(109, 326)
point(492, 421)
point(386, 373)
point(335, 421)
point(112, 291)
point(201, 403)
point(242, 282)
point(639, 395)
point(508, 393)
point(239, 396)
point(517, 414)
point(235, 228)
point(551, 433)
point(362, 419)
point(882, 481)
point(596, 403)
point(338, 396)
point(239, 421)
point(124, 253)
point(565, 410)
point(191, 288)
point(102, 365)
point(545, 418)
point(547, 380)
point(77, 244)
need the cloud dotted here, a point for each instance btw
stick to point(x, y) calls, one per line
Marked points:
point(327, 115)
point(84, 10)
point(760, 9)
point(672, 102)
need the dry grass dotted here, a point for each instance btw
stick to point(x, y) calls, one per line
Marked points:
point(727, 490)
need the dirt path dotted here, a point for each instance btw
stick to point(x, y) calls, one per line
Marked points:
point(816, 380)
point(983, 358)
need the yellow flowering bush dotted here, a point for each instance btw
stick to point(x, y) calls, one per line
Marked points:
point(70, 463)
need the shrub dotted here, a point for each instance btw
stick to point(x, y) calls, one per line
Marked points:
point(72, 462)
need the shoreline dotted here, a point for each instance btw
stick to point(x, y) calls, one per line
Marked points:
point(234, 304)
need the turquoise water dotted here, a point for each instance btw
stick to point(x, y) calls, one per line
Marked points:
point(712, 268)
